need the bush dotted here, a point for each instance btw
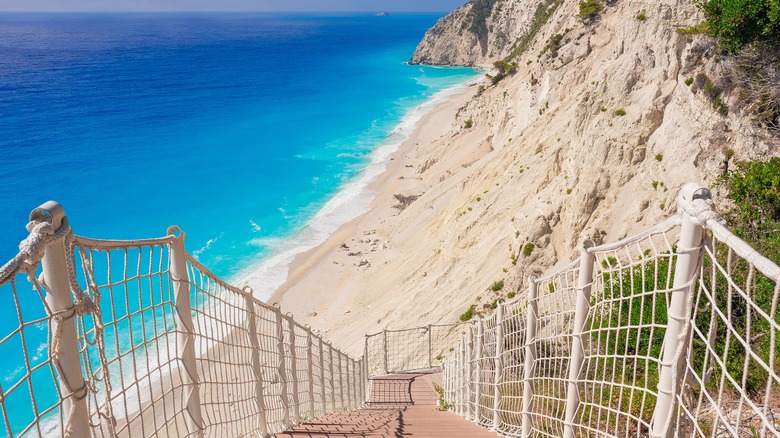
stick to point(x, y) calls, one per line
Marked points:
point(754, 188)
point(468, 123)
point(641, 16)
point(738, 23)
point(468, 314)
point(689, 81)
point(511, 295)
point(497, 286)
point(505, 67)
point(620, 112)
point(590, 9)
point(659, 157)
point(528, 249)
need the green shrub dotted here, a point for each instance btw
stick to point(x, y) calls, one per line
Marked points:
point(528, 249)
point(506, 67)
point(590, 9)
point(554, 45)
point(655, 185)
point(468, 123)
point(738, 23)
point(511, 295)
point(693, 30)
point(689, 81)
point(620, 112)
point(468, 314)
point(659, 157)
point(497, 286)
point(754, 188)
point(641, 16)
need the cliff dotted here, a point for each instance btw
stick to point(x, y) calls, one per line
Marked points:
point(476, 34)
point(592, 136)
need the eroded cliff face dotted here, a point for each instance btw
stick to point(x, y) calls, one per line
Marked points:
point(592, 137)
point(467, 37)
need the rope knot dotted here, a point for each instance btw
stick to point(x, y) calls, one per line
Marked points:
point(32, 248)
point(701, 211)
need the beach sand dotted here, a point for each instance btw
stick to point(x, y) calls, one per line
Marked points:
point(344, 287)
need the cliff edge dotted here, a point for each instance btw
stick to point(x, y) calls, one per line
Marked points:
point(588, 128)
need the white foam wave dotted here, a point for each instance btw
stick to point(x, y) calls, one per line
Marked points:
point(205, 247)
point(350, 201)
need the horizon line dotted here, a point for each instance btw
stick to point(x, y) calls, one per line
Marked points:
point(236, 11)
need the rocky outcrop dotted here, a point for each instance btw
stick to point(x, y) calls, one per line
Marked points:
point(467, 38)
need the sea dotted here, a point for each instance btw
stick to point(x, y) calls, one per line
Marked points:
point(257, 134)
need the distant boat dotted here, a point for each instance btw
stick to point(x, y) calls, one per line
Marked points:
point(382, 14)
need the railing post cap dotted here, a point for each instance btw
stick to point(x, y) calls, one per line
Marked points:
point(50, 211)
point(586, 244)
point(173, 229)
point(692, 191)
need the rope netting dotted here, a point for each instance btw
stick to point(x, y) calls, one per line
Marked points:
point(163, 347)
point(409, 350)
point(582, 354)
point(731, 383)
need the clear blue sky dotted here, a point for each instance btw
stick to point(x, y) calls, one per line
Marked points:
point(232, 5)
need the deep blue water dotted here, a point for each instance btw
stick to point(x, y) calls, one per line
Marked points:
point(235, 127)
point(253, 133)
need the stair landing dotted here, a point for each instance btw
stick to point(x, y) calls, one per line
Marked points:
point(402, 405)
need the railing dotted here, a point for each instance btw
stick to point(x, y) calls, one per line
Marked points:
point(410, 350)
point(136, 338)
point(652, 336)
point(672, 332)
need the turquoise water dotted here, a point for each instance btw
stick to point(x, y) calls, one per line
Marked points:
point(256, 134)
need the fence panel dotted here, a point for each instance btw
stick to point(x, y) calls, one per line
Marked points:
point(141, 309)
point(732, 371)
point(624, 335)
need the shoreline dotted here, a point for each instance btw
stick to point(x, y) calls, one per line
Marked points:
point(358, 197)
point(317, 277)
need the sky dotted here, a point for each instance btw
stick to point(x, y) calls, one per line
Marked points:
point(232, 5)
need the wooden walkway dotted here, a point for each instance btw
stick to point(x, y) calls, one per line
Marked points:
point(401, 405)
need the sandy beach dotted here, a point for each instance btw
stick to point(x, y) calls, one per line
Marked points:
point(342, 287)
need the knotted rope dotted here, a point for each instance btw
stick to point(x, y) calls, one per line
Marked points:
point(701, 211)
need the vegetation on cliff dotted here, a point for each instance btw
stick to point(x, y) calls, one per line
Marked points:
point(476, 19)
point(754, 188)
point(741, 22)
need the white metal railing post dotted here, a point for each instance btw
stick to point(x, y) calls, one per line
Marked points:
point(469, 370)
point(185, 331)
point(282, 367)
point(257, 369)
point(498, 366)
point(310, 371)
point(478, 370)
point(341, 380)
point(364, 369)
point(532, 310)
point(332, 380)
point(578, 342)
point(460, 376)
point(350, 384)
point(59, 302)
point(384, 346)
point(679, 313)
point(324, 398)
point(296, 401)
point(430, 347)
